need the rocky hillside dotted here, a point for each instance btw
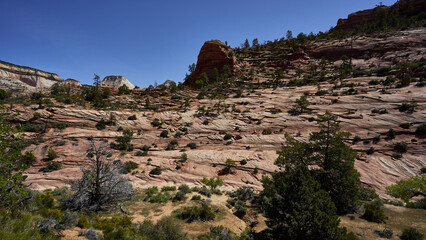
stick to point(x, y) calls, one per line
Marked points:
point(22, 79)
point(381, 101)
point(240, 109)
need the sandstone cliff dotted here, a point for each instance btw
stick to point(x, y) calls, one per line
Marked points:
point(20, 79)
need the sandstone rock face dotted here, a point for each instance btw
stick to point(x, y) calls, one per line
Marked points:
point(22, 79)
point(213, 54)
point(395, 44)
point(402, 8)
point(168, 84)
point(71, 82)
point(117, 81)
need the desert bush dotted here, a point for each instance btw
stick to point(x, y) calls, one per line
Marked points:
point(166, 228)
point(197, 213)
point(83, 222)
point(129, 166)
point(370, 151)
point(180, 196)
point(29, 158)
point(133, 117)
point(212, 182)
point(156, 171)
point(411, 234)
point(192, 145)
point(367, 194)
point(220, 233)
point(168, 188)
point(51, 154)
point(184, 188)
point(124, 142)
point(267, 131)
point(385, 233)
point(101, 124)
point(156, 122)
point(196, 197)
point(400, 147)
point(51, 166)
point(421, 130)
point(164, 133)
point(227, 136)
point(183, 157)
point(373, 213)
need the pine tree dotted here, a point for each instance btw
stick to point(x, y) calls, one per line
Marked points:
point(297, 208)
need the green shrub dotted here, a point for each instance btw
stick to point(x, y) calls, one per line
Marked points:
point(83, 222)
point(400, 147)
point(51, 166)
point(160, 197)
point(267, 131)
point(373, 213)
point(396, 155)
point(423, 170)
point(196, 213)
point(370, 151)
point(386, 233)
point(101, 124)
point(183, 157)
point(367, 194)
point(133, 117)
point(29, 158)
point(166, 228)
point(51, 154)
point(180, 196)
point(411, 234)
point(192, 145)
point(421, 130)
point(156, 122)
point(129, 166)
point(168, 188)
point(227, 136)
point(391, 133)
point(156, 171)
point(405, 125)
point(164, 133)
point(184, 188)
point(219, 233)
point(196, 197)
point(141, 154)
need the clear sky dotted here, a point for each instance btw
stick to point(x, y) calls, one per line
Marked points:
point(148, 41)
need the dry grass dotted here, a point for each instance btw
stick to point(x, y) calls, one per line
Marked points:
point(399, 218)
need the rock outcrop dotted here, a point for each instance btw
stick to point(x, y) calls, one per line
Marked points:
point(402, 8)
point(116, 82)
point(213, 54)
point(21, 79)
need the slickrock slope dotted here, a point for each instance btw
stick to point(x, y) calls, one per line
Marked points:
point(22, 79)
point(355, 112)
point(116, 82)
point(387, 70)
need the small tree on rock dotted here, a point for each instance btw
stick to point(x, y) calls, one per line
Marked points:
point(101, 184)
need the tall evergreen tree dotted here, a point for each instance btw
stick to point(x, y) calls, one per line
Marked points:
point(297, 208)
point(326, 149)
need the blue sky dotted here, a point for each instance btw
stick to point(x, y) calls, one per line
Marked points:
point(148, 41)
